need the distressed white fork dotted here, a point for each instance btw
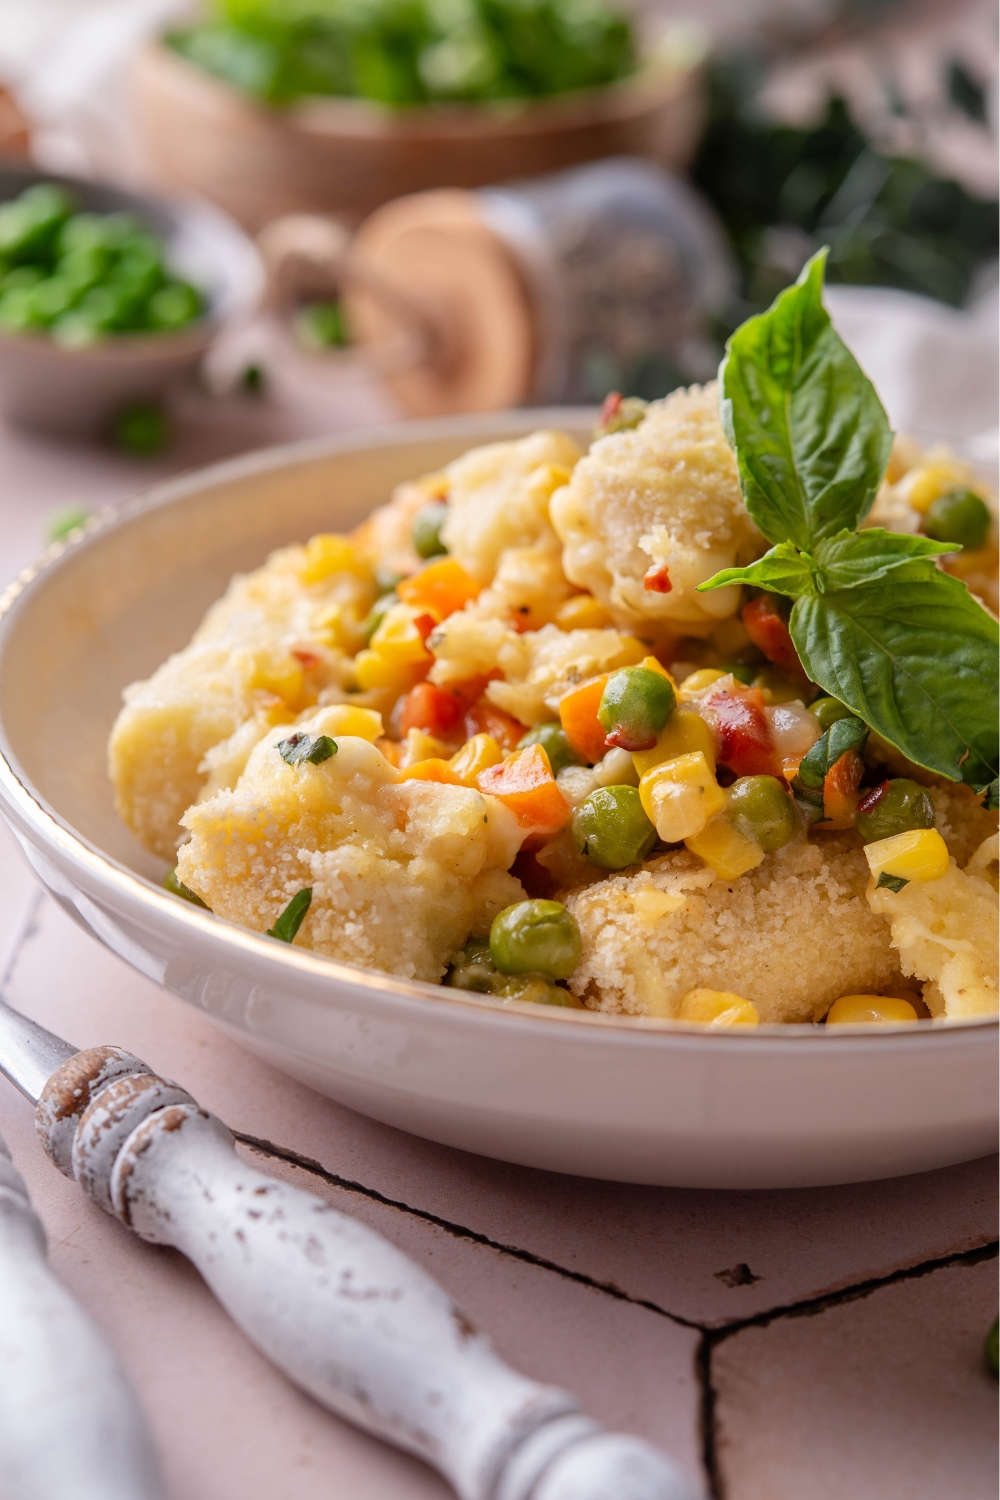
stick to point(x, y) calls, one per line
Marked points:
point(347, 1316)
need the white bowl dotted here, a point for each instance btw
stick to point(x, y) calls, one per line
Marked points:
point(636, 1101)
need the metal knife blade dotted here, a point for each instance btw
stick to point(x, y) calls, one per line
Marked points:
point(29, 1054)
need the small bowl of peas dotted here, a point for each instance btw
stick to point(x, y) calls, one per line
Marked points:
point(107, 296)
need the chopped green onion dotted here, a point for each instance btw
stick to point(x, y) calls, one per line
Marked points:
point(291, 919)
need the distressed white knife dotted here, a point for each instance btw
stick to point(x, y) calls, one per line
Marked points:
point(343, 1313)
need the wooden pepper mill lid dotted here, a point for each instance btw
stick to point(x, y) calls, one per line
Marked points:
point(429, 261)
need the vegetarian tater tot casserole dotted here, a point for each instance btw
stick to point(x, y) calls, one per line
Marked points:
point(697, 722)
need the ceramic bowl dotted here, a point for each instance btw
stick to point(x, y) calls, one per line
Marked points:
point(76, 391)
point(638, 1101)
point(348, 156)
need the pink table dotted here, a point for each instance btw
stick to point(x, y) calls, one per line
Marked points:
point(810, 1345)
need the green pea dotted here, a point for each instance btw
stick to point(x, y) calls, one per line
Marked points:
point(378, 612)
point(320, 325)
point(828, 711)
point(535, 989)
point(741, 672)
point(178, 888)
point(991, 1347)
point(474, 970)
point(85, 266)
point(427, 525)
point(535, 937)
point(635, 705)
point(173, 306)
point(611, 829)
point(552, 738)
point(960, 516)
point(51, 298)
point(142, 429)
point(23, 278)
point(893, 807)
point(17, 312)
point(760, 808)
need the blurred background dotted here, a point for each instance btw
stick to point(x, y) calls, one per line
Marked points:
point(238, 222)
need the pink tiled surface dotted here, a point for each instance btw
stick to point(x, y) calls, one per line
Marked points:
point(811, 1344)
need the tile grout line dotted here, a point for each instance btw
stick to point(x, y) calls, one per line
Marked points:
point(25, 932)
point(806, 1307)
point(810, 1307)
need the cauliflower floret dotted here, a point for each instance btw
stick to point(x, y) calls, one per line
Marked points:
point(277, 639)
point(541, 665)
point(499, 498)
point(664, 495)
point(402, 873)
point(792, 936)
point(946, 934)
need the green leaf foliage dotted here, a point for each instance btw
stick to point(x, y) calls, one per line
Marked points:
point(887, 882)
point(299, 748)
point(846, 734)
point(783, 570)
point(914, 656)
point(291, 919)
point(854, 558)
point(810, 435)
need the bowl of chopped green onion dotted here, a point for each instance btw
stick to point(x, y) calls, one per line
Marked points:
point(267, 108)
point(106, 296)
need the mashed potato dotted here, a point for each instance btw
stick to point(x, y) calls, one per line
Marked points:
point(401, 872)
point(663, 496)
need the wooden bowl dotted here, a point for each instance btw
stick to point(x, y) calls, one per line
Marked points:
point(348, 156)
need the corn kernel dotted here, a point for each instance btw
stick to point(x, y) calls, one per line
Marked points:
point(653, 664)
point(419, 746)
point(397, 638)
point(372, 670)
point(725, 850)
point(684, 733)
point(476, 755)
point(680, 796)
point(582, 612)
point(327, 554)
point(920, 854)
point(924, 485)
point(651, 905)
point(281, 674)
point(346, 719)
point(856, 1010)
point(717, 1008)
point(698, 681)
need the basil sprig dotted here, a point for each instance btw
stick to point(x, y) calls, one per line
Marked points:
point(875, 622)
point(299, 749)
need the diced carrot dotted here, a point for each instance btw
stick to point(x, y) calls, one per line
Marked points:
point(391, 749)
point(578, 715)
point(485, 718)
point(431, 770)
point(766, 627)
point(442, 586)
point(430, 708)
point(525, 783)
point(840, 790)
point(742, 733)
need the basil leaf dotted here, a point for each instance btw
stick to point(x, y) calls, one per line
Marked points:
point(810, 436)
point(843, 735)
point(299, 748)
point(783, 570)
point(915, 657)
point(859, 557)
point(292, 917)
point(890, 882)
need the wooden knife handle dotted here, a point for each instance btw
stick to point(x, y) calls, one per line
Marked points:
point(69, 1424)
point(344, 1313)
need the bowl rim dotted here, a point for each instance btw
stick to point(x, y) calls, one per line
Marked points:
point(18, 794)
point(654, 81)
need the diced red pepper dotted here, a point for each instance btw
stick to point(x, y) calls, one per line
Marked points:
point(430, 708)
point(742, 733)
point(485, 718)
point(610, 407)
point(767, 629)
point(525, 783)
point(872, 797)
point(657, 581)
point(425, 624)
point(840, 789)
